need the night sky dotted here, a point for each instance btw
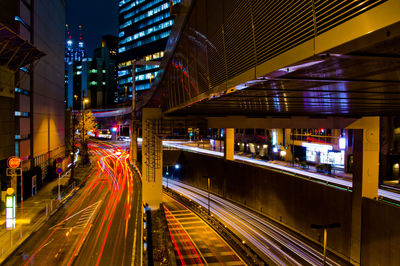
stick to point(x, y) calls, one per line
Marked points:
point(98, 18)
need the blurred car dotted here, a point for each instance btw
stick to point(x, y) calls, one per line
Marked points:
point(103, 134)
point(124, 138)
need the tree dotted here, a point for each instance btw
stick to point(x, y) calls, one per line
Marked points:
point(83, 127)
point(90, 124)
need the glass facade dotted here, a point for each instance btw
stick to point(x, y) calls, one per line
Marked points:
point(144, 27)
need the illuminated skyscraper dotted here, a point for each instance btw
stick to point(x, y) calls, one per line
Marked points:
point(69, 46)
point(73, 52)
point(74, 60)
point(144, 27)
point(80, 49)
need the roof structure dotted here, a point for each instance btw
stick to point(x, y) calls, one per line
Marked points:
point(16, 52)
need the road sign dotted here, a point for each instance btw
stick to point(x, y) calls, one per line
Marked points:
point(13, 171)
point(10, 191)
point(13, 162)
point(59, 160)
point(59, 170)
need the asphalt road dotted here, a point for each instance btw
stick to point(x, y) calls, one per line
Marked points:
point(195, 242)
point(272, 242)
point(98, 226)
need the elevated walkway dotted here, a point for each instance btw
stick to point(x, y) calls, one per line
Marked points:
point(337, 179)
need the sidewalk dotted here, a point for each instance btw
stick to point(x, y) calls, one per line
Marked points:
point(31, 214)
point(335, 172)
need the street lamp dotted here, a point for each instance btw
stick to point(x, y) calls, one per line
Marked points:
point(325, 227)
point(208, 191)
point(85, 100)
point(73, 137)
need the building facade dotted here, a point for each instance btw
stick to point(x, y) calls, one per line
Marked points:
point(75, 64)
point(144, 28)
point(37, 122)
point(103, 74)
point(94, 77)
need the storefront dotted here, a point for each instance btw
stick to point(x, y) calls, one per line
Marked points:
point(324, 154)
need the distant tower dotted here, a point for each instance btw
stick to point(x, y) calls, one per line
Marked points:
point(69, 46)
point(80, 50)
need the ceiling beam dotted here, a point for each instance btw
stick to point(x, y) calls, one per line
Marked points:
point(279, 122)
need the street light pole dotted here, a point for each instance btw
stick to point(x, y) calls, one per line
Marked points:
point(208, 192)
point(73, 138)
point(84, 147)
point(59, 194)
point(83, 121)
point(167, 176)
point(208, 189)
point(325, 227)
point(325, 242)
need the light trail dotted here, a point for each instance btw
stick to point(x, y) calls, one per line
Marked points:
point(344, 184)
point(110, 185)
point(275, 243)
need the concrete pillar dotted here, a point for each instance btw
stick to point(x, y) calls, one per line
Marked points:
point(152, 158)
point(289, 143)
point(279, 132)
point(347, 151)
point(229, 142)
point(370, 155)
point(365, 175)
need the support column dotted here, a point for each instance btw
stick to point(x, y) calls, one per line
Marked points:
point(288, 144)
point(152, 158)
point(229, 142)
point(365, 175)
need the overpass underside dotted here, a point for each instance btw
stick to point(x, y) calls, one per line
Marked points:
point(254, 58)
point(290, 64)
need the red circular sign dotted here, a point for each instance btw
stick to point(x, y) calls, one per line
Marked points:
point(13, 162)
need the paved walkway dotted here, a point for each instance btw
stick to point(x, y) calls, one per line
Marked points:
point(335, 172)
point(31, 214)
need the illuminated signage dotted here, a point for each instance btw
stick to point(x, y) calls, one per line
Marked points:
point(9, 202)
point(274, 138)
point(13, 162)
point(342, 143)
point(316, 146)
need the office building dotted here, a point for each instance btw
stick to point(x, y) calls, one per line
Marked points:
point(35, 120)
point(74, 59)
point(91, 77)
point(144, 28)
point(102, 89)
